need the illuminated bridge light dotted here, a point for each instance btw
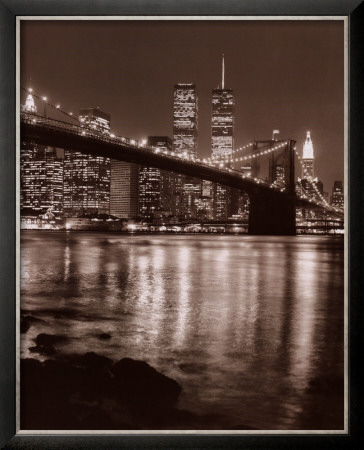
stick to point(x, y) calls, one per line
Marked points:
point(219, 161)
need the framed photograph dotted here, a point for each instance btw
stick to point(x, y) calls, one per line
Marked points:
point(181, 198)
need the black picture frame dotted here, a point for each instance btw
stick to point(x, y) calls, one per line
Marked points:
point(9, 10)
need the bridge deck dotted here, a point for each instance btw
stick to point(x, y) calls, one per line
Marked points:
point(46, 131)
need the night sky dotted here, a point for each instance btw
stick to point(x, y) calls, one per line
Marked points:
point(286, 75)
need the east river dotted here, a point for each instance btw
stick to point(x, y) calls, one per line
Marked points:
point(251, 327)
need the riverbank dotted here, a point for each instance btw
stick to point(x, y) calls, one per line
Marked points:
point(92, 392)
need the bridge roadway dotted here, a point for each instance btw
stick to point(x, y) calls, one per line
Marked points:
point(271, 209)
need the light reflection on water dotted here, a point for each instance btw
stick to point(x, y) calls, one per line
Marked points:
point(245, 324)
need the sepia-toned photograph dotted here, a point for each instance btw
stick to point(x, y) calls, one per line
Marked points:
point(182, 230)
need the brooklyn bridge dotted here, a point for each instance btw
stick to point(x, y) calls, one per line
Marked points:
point(272, 206)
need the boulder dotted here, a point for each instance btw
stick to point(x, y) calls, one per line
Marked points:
point(44, 339)
point(45, 350)
point(89, 392)
point(143, 387)
point(92, 360)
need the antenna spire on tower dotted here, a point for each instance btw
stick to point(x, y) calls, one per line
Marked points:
point(223, 72)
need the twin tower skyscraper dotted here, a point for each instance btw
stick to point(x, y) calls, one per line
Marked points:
point(73, 184)
point(185, 140)
point(185, 118)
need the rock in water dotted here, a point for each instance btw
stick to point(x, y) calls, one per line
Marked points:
point(104, 336)
point(144, 387)
point(48, 339)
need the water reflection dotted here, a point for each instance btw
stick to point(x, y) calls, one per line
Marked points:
point(245, 324)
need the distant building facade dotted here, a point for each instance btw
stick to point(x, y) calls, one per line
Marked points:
point(41, 180)
point(338, 195)
point(41, 175)
point(95, 119)
point(86, 188)
point(204, 205)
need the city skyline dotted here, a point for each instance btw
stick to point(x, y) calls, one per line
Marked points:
point(291, 80)
point(211, 289)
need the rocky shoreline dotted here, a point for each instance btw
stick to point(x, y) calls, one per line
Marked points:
point(93, 392)
point(90, 392)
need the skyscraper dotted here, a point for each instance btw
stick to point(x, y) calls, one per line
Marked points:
point(309, 185)
point(185, 132)
point(86, 177)
point(307, 158)
point(41, 175)
point(222, 123)
point(222, 139)
point(185, 118)
point(29, 106)
point(155, 185)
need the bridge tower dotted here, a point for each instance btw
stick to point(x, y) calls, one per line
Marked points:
point(272, 213)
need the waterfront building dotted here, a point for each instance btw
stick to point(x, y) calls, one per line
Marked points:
point(41, 175)
point(124, 189)
point(86, 177)
point(41, 180)
point(338, 195)
point(155, 185)
point(185, 133)
point(149, 191)
point(222, 140)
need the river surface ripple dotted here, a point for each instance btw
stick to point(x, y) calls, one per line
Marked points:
point(251, 327)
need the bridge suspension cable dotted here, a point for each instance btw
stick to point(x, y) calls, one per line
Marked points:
point(46, 102)
point(246, 157)
point(216, 160)
point(79, 122)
